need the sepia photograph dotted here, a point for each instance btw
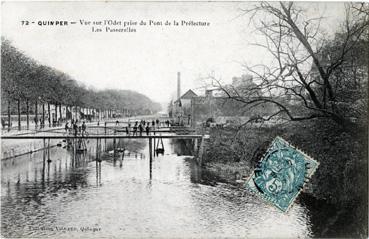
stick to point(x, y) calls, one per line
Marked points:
point(184, 119)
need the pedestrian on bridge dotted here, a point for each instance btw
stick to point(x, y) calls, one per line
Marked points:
point(35, 120)
point(83, 128)
point(127, 130)
point(66, 127)
point(3, 123)
point(141, 129)
point(148, 128)
point(75, 128)
point(135, 129)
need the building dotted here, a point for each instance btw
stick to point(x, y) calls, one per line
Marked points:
point(181, 109)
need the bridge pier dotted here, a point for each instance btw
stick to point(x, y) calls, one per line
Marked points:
point(121, 160)
point(48, 151)
point(43, 163)
point(97, 149)
point(150, 155)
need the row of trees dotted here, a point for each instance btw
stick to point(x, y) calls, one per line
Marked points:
point(23, 80)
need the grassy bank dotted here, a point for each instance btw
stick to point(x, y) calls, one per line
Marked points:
point(340, 180)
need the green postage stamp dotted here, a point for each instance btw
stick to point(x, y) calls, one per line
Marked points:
point(281, 173)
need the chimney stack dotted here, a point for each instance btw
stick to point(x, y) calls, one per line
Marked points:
point(178, 85)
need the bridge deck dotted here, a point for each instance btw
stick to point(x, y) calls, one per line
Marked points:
point(157, 131)
point(188, 136)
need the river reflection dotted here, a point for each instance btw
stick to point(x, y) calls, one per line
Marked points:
point(76, 196)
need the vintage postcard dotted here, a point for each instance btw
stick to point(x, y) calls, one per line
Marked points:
point(182, 119)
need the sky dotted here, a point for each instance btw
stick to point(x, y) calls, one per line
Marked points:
point(146, 61)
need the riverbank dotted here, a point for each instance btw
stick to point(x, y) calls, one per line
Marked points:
point(341, 179)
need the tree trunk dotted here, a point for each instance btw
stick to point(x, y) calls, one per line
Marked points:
point(36, 114)
point(9, 118)
point(27, 104)
point(43, 115)
point(19, 115)
point(49, 113)
point(60, 112)
point(56, 114)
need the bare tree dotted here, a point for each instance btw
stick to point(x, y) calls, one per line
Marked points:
point(301, 80)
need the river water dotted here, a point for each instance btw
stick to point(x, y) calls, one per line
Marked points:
point(75, 196)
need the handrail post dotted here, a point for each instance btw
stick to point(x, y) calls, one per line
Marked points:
point(154, 143)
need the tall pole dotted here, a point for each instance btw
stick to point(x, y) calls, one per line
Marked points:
point(154, 144)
